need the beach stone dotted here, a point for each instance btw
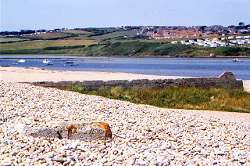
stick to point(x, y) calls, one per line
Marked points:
point(1, 130)
point(141, 162)
point(50, 155)
point(7, 162)
point(228, 76)
point(85, 132)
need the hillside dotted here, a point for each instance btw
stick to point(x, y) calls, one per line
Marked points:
point(107, 42)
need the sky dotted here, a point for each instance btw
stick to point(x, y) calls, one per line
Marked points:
point(50, 14)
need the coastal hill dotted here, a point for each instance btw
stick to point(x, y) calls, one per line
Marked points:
point(131, 41)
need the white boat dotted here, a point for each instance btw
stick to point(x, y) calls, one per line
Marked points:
point(236, 60)
point(212, 55)
point(21, 61)
point(47, 62)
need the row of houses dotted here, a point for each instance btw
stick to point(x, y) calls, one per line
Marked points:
point(216, 42)
point(172, 34)
point(182, 32)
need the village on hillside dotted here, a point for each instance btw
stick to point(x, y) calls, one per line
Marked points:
point(211, 36)
point(217, 40)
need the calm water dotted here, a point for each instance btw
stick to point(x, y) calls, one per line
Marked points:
point(197, 67)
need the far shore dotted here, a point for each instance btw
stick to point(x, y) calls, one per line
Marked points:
point(117, 56)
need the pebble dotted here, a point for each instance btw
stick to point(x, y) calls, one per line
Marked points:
point(148, 135)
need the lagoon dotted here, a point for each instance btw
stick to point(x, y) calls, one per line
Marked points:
point(193, 67)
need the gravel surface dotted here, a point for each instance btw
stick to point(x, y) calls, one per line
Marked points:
point(143, 135)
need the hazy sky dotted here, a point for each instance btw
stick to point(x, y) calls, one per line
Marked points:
point(48, 14)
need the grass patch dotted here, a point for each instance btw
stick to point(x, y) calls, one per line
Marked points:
point(117, 34)
point(64, 47)
point(232, 51)
point(48, 36)
point(11, 39)
point(177, 97)
point(100, 31)
point(43, 45)
point(145, 48)
point(78, 32)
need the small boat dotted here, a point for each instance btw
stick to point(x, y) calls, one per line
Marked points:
point(236, 60)
point(47, 62)
point(212, 55)
point(69, 62)
point(74, 64)
point(21, 61)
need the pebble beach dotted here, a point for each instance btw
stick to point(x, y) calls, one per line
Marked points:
point(143, 135)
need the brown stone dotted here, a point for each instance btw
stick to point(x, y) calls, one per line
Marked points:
point(84, 131)
point(105, 127)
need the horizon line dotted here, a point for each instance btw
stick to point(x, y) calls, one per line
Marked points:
point(120, 26)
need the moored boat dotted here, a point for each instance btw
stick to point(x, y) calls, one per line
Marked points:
point(21, 61)
point(47, 62)
point(69, 62)
point(236, 60)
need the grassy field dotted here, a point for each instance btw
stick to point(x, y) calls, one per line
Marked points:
point(116, 35)
point(47, 36)
point(78, 32)
point(11, 39)
point(42, 45)
point(174, 97)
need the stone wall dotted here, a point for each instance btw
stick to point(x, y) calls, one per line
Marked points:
point(226, 80)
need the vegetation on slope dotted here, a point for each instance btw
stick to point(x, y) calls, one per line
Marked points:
point(106, 42)
point(177, 97)
point(41, 46)
point(10, 39)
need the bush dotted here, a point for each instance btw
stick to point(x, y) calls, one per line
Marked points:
point(64, 47)
point(117, 92)
point(232, 51)
point(77, 88)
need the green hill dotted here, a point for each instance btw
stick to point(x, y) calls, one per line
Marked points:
point(106, 42)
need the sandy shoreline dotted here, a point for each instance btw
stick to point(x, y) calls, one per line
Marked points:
point(14, 74)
